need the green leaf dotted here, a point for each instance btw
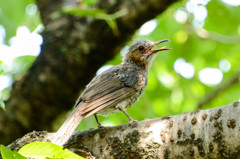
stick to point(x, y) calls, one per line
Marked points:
point(21, 64)
point(90, 2)
point(9, 154)
point(1, 67)
point(217, 11)
point(2, 105)
point(97, 14)
point(47, 149)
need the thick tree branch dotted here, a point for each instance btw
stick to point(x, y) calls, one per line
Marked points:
point(212, 133)
point(73, 49)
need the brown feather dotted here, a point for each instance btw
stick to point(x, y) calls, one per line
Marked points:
point(68, 127)
point(109, 100)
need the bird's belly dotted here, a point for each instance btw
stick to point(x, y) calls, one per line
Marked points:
point(123, 105)
point(106, 111)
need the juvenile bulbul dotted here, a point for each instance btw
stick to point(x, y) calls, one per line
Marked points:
point(115, 89)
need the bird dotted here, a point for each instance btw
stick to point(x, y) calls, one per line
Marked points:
point(113, 90)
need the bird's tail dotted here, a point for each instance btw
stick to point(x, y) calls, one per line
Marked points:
point(68, 127)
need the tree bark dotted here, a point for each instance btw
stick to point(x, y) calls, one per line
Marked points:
point(72, 50)
point(212, 133)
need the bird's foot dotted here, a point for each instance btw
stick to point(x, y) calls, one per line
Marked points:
point(98, 123)
point(100, 126)
point(132, 122)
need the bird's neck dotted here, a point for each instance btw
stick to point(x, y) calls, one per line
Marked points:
point(137, 64)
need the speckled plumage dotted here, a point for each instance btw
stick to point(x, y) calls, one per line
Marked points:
point(115, 89)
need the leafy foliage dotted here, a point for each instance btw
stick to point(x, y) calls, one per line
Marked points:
point(9, 154)
point(2, 105)
point(38, 150)
point(97, 14)
point(16, 13)
point(46, 150)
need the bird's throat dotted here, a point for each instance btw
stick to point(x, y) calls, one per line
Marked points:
point(136, 59)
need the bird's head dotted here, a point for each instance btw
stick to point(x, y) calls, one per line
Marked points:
point(141, 52)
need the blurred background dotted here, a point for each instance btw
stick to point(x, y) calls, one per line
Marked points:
point(201, 71)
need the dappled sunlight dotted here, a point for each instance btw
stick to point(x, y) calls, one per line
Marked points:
point(232, 2)
point(31, 9)
point(148, 27)
point(184, 68)
point(108, 123)
point(24, 43)
point(198, 9)
point(181, 15)
point(166, 79)
point(210, 76)
point(224, 65)
point(6, 81)
point(2, 34)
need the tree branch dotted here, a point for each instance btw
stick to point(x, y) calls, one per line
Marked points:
point(219, 90)
point(212, 133)
point(202, 33)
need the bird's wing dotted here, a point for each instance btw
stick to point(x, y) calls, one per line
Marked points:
point(109, 89)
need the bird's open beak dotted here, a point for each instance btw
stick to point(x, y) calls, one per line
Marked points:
point(151, 52)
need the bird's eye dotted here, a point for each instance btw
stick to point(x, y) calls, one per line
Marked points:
point(140, 48)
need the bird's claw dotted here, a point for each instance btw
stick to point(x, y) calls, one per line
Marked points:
point(100, 126)
point(132, 122)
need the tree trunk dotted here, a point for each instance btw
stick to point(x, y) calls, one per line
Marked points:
point(72, 50)
point(212, 133)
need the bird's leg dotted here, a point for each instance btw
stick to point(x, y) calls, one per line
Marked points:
point(98, 123)
point(130, 118)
